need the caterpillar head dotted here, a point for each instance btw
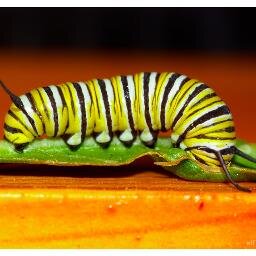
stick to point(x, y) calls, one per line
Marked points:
point(202, 149)
point(18, 124)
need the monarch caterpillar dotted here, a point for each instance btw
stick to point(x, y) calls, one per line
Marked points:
point(129, 106)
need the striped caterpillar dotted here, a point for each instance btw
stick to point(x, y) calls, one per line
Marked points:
point(128, 106)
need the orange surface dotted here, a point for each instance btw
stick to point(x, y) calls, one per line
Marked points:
point(124, 209)
point(132, 207)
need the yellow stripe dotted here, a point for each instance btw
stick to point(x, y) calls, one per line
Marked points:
point(159, 90)
point(17, 138)
point(100, 118)
point(12, 122)
point(207, 157)
point(38, 105)
point(213, 142)
point(172, 107)
point(49, 122)
point(90, 112)
point(62, 115)
point(213, 127)
point(195, 116)
point(137, 99)
point(190, 110)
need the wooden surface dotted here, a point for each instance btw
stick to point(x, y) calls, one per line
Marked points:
point(121, 208)
point(137, 206)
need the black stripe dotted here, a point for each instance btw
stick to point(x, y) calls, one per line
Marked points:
point(206, 97)
point(18, 120)
point(197, 90)
point(71, 100)
point(34, 108)
point(228, 151)
point(119, 99)
point(168, 88)
point(146, 77)
point(205, 106)
point(124, 81)
point(19, 104)
point(213, 113)
point(106, 104)
point(199, 159)
point(33, 105)
point(157, 78)
point(61, 96)
point(88, 89)
point(219, 122)
point(45, 108)
point(227, 129)
point(184, 93)
point(54, 107)
point(204, 136)
point(11, 129)
point(64, 103)
point(156, 81)
point(81, 98)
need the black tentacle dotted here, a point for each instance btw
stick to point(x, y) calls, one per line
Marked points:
point(13, 97)
point(224, 167)
point(244, 155)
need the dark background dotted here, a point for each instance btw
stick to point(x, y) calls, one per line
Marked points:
point(210, 29)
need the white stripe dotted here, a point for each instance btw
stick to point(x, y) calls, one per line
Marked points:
point(110, 95)
point(131, 89)
point(213, 145)
point(175, 88)
point(28, 107)
point(78, 107)
point(207, 122)
point(103, 110)
point(152, 86)
point(48, 103)
point(88, 103)
point(160, 99)
point(183, 101)
point(56, 96)
point(58, 102)
point(123, 101)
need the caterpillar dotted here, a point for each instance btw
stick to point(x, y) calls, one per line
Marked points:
point(129, 106)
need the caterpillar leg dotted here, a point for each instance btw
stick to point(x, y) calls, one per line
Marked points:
point(224, 167)
point(17, 138)
point(148, 137)
point(103, 138)
point(127, 137)
point(19, 147)
point(73, 140)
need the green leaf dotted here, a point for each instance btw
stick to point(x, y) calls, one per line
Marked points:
point(175, 160)
point(249, 149)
